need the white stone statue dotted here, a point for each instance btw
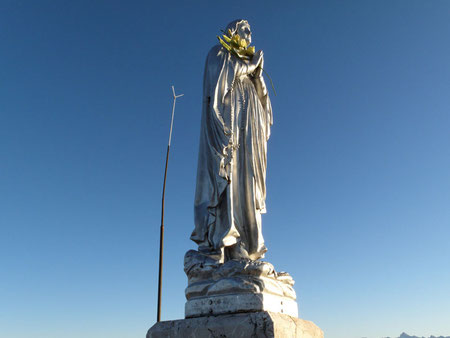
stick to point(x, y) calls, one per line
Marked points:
point(225, 275)
point(231, 175)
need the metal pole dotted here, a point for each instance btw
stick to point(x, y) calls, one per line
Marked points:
point(161, 234)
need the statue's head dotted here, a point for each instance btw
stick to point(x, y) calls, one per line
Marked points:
point(242, 28)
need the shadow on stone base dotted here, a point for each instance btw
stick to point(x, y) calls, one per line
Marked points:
point(250, 324)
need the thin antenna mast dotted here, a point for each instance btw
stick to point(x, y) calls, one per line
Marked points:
point(161, 235)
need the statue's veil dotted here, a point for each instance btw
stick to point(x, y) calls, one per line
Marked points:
point(233, 25)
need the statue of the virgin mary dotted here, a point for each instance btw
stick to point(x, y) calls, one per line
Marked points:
point(235, 126)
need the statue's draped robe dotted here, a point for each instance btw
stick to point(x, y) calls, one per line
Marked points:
point(235, 126)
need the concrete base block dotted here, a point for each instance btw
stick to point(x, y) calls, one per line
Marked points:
point(238, 325)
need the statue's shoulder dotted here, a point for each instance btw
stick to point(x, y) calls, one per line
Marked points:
point(217, 51)
point(215, 61)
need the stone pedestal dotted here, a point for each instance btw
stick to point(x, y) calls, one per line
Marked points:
point(216, 288)
point(240, 302)
point(236, 298)
point(238, 325)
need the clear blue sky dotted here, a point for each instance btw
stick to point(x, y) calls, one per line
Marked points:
point(358, 164)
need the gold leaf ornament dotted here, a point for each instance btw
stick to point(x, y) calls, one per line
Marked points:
point(236, 45)
point(226, 38)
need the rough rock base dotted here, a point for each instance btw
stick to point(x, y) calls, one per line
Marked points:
point(251, 324)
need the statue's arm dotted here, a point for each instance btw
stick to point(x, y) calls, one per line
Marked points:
point(260, 84)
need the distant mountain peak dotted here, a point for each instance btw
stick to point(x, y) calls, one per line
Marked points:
point(405, 335)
